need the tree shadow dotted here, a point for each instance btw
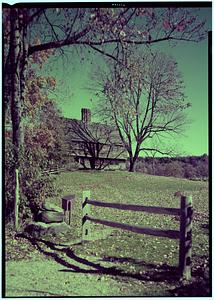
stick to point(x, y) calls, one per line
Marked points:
point(195, 289)
point(163, 273)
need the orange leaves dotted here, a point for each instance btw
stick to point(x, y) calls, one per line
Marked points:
point(51, 81)
point(45, 82)
point(36, 92)
point(40, 136)
point(44, 137)
point(149, 12)
point(181, 26)
point(42, 56)
point(34, 99)
point(107, 21)
point(37, 41)
point(166, 24)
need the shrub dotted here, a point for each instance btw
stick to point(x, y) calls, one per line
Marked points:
point(35, 185)
point(202, 169)
point(139, 167)
point(189, 171)
point(174, 169)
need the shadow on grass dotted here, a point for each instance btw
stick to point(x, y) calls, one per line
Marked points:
point(164, 273)
point(195, 289)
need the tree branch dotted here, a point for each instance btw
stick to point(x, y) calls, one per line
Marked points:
point(52, 28)
point(102, 52)
point(75, 40)
point(159, 151)
point(61, 43)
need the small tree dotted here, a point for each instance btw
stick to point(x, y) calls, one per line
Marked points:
point(144, 98)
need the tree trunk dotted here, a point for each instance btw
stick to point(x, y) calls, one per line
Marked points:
point(153, 166)
point(132, 166)
point(133, 159)
point(18, 63)
point(92, 163)
point(7, 88)
point(132, 162)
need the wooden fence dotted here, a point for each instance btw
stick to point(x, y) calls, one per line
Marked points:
point(184, 234)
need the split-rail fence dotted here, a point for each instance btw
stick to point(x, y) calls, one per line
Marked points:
point(184, 234)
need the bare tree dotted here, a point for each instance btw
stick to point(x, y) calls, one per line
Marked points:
point(95, 142)
point(38, 32)
point(144, 98)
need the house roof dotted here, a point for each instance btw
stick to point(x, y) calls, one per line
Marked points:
point(79, 131)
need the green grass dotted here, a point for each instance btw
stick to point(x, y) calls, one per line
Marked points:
point(138, 265)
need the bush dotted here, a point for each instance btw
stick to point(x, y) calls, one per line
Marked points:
point(202, 169)
point(174, 169)
point(189, 167)
point(150, 169)
point(189, 171)
point(140, 166)
point(35, 185)
point(160, 169)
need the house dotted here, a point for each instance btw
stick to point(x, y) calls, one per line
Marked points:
point(93, 145)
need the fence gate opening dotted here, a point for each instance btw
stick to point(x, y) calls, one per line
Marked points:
point(184, 234)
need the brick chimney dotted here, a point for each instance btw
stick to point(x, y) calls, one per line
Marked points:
point(86, 115)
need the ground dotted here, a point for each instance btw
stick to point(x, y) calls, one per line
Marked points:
point(114, 262)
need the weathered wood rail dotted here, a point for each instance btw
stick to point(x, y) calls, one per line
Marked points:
point(148, 209)
point(184, 234)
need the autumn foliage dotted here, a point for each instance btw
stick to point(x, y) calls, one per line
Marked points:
point(41, 144)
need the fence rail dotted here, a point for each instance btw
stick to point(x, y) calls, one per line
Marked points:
point(172, 234)
point(133, 207)
point(184, 234)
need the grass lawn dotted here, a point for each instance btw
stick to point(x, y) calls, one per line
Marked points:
point(132, 264)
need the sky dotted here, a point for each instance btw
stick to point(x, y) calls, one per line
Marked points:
point(73, 76)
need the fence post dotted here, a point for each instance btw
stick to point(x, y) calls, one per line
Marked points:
point(17, 200)
point(86, 226)
point(185, 250)
point(67, 206)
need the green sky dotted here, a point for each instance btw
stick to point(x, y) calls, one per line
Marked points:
point(192, 61)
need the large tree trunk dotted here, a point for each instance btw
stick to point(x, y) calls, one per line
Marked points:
point(7, 88)
point(18, 56)
point(15, 108)
point(133, 159)
point(132, 166)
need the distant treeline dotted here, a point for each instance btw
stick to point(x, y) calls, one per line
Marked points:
point(190, 167)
